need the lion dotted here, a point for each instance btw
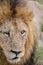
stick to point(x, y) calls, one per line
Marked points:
point(19, 32)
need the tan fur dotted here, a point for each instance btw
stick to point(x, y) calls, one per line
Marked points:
point(26, 16)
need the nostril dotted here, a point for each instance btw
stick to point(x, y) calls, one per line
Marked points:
point(16, 52)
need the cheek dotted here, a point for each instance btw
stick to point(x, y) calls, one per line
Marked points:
point(6, 50)
point(23, 49)
point(5, 46)
point(4, 41)
point(24, 39)
point(24, 42)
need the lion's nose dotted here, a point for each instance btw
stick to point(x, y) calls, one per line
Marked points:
point(16, 52)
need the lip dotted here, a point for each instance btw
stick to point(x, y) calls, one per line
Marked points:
point(14, 58)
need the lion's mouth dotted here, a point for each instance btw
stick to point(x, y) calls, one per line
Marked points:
point(15, 58)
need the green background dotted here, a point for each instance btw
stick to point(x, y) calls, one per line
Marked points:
point(41, 1)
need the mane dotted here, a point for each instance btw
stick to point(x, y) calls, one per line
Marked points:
point(4, 10)
point(17, 9)
point(27, 16)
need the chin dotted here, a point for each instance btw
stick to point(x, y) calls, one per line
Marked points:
point(14, 61)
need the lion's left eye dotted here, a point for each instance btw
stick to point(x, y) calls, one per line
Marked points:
point(23, 32)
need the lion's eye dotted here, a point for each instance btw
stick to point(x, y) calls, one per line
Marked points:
point(23, 32)
point(7, 33)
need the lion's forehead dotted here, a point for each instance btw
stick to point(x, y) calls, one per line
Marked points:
point(21, 24)
point(14, 24)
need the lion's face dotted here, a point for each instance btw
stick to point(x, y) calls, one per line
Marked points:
point(13, 36)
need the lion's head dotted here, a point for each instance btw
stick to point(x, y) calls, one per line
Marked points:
point(17, 36)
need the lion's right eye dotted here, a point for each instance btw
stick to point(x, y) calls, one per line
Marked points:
point(7, 33)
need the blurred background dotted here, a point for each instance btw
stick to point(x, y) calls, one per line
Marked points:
point(39, 48)
point(41, 1)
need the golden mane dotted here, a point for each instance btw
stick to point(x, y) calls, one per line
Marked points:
point(24, 13)
point(4, 11)
point(27, 16)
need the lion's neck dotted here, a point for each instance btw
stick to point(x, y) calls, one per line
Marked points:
point(30, 61)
